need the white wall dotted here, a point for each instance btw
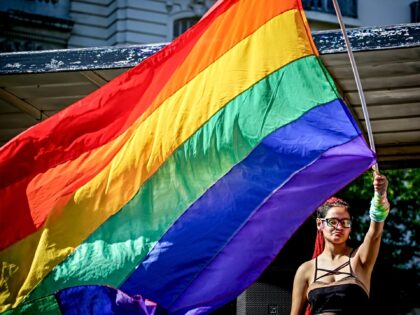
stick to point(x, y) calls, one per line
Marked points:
point(122, 22)
point(117, 22)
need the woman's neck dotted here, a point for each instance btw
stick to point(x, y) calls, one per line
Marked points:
point(335, 250)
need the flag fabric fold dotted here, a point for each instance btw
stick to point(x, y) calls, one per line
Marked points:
point(181, 180)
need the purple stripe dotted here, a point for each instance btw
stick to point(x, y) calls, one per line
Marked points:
point(258, 242)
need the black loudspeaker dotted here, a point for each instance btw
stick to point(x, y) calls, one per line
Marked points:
point(264, 299)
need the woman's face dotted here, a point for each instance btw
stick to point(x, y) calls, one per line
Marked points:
point(335, 233)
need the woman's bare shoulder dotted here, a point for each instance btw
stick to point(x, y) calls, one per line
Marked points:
point(305, 270)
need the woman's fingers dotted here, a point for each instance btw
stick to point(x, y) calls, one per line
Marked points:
point(380, 183)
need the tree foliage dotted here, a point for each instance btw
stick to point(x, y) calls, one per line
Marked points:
point(402, 228)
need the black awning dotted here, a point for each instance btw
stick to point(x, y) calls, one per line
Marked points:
point(35, 85)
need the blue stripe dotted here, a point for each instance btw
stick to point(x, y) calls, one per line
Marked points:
point(204, 229)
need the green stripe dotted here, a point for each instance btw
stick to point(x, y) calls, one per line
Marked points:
point(111, 253)
point(45, 306)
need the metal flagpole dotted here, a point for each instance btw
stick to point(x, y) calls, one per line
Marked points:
point(357, 79)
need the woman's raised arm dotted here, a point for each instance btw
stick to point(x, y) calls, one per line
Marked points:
point(368, 251)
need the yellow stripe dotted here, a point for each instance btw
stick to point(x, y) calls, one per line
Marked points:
point(277, 43)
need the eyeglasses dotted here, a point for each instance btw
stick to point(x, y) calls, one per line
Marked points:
point(333, 222)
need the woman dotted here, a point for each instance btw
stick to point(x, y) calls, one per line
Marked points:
point(338, 280)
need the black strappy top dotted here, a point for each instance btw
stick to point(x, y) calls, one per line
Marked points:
point(345, 296)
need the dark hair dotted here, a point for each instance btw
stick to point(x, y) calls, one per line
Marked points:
point(332, 202)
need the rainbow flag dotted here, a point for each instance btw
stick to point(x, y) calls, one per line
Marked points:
point(181, 180)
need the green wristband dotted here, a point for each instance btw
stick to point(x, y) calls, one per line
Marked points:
point(379, 208)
